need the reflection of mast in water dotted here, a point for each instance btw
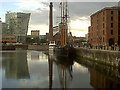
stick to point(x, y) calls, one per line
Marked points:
point(65, 73)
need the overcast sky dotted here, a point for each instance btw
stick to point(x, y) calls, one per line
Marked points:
point(79, 13)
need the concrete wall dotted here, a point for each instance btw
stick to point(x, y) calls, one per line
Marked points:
point(111, 58)
point(38, 47)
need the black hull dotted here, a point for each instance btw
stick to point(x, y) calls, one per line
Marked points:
point(66, 52)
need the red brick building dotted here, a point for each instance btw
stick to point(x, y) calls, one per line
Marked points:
point(105, 27)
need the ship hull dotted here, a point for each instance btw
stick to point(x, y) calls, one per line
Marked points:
point(66, 52)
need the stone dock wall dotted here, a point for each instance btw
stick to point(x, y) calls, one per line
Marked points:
point(38, 47)
point(107, 57)
point(25, 47)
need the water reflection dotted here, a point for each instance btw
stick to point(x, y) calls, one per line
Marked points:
point(50, 61)
point(21, 70)
point(34, 56)
point(15, 65)
point(102, 76)
point(34, 69)
point(64, 67)
point(97, 80)
point(65, 71)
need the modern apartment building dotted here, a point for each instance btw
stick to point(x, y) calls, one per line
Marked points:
point(0, 29)
point(4, 29)
point(17, 24)
point(0, 26)
point(105, 27)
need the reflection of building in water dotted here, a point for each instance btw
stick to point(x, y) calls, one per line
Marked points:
point(97, 80)
point(16, 66)
point(10, 64)
point(35, 56)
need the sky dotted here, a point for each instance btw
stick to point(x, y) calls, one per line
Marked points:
point(79, 13)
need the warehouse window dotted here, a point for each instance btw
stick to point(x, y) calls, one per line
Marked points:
point(111, 24)
point(103, 32)
point(103, 19)
point(112, 18)
point(111, 32)
point(103, 25)
point(103, 13)
point(111, 12)
point(119, 32)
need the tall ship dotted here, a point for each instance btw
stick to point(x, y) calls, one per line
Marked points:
point(64, 47)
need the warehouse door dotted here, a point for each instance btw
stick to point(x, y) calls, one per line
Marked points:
point(111, 41)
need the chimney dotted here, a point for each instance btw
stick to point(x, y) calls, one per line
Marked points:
point(51, 22)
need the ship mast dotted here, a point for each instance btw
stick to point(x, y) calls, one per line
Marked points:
point(64, 23)
point(63, 27)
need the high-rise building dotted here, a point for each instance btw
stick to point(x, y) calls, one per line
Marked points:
point(0, 29)
point(0, 26)
point(17, 24)
point(105, 27)
point(4, 29)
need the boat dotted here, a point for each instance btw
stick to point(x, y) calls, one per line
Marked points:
point(66, 52)
point(52, 43)
point(65, 49)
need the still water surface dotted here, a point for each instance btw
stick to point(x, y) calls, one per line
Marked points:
point(34, 69)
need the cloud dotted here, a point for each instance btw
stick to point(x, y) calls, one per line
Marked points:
point(38, 16)
point(79, 24)
point(2, 19)
point(32, 4)
point(87, 8)
point(79, 27)
point(62, 0)
point(79, 13)
point(42, 27)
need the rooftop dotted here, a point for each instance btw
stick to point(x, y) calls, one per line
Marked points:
point(107, 8)
point(35, 30)
point(9, 12)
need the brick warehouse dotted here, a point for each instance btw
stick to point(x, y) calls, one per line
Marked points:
point(105, 27)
